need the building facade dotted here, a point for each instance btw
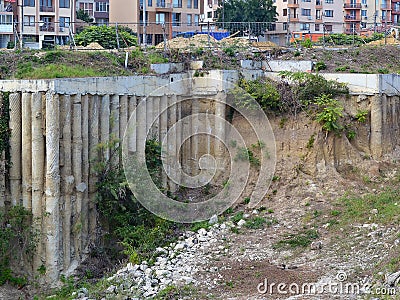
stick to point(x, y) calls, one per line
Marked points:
point(96, 9)
point(164, 18)
point(6, 23)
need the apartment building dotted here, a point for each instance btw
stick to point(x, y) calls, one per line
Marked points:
point(163, 17)
point(208, 11)
point(396, 12)
point(312, 18)
point(44, 23)
point(96, 9)
point(6, 23)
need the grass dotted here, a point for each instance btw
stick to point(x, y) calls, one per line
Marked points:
point(301, 239)
point(27, 71)
point(356, 209)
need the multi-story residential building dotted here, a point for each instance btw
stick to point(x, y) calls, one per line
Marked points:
point(208, 11)
point(163, 17)
point(96, 9)
point(396, 12)
point(44, 22)
point(311, 18)
point(6, 23)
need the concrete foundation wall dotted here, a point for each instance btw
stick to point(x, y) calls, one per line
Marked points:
point(57, 124)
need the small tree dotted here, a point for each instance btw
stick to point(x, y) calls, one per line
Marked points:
point(84, 16)
point(106, 36)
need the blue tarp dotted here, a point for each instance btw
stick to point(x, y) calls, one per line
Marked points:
point(216, 35)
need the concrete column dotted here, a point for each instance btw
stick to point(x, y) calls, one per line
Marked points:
point(26, 160)
point(83, 188)
point(172, 157)
point(105, 125)
point(133, 129)
point(156, 117)
point(186, 130)
point(123, 115)
point(163, 132)
point(2, 167)
point(141, 125)
point(195, 129)
point(114, 122)
point(38, 166)
point(178, 137)
point(15, 148)
point(149, 114)
point(52, 186)
point(376, 126)
point(67, 178)
point(77, 173)
point(94, 113)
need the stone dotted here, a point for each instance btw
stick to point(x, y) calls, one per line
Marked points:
point(317, 245)
point(111, 289)
point(393, 279)
point(213, 220)
point(241, 223)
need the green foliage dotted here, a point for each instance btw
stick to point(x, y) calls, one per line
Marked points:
point(262, 11)
point(306, 86)
point(5, 131)
point(262, 90)
point(198, 225)
point(330, 110)
point(346, 39)
point(356, 209)
point(383, 71)
point(26, 71)
point(237, 217)
point(84, 16)
point(255, 223)
point(245, 154)
point(320, 66)
point(156, 58)
point(310, 142)
point(361, 116)
point(229, 51)
point(106, 36)
point(300, 239)
point(307, 43)
point(16, 238)
point(135, 228)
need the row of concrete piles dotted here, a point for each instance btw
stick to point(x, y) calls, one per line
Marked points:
point(54, 147)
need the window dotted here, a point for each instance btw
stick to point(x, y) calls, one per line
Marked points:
point(101, 6)
point(160, 18)
point(29, 3)
point(196, 19)
point(46, 3)
point(149, 3)
point(189, 20)
point(29, 20)
point(209, 14)
point(271, 26)
point(285, 27)
point(64, 4)
point(305, 12)
point(329, 1)
point(189, 3)
point(87, 8)
point(284, 12)
point(177, 3)
point(329, 13)
point(160, 3)
point(195, 3)
point(363, 13)
point(102, 21)
point(316, 27)
point(318, 14)
point(305, 0)
point(364, 2)
point(176, 19)
point(215, 14)
point(304, 26)
point(328, 28)
point(363, 25)
point(64, 22)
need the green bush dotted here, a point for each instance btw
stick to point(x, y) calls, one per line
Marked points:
point(330, 110)
point(320, 66)
point(106, 36)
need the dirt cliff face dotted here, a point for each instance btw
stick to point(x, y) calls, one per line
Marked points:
point(367, 149)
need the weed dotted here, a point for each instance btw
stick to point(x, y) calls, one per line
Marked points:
point(237, 217)
point(245, 154)
point(320, 66)
point(310, 142)
point(276, 178)
point(361, 116)
point(198, 225)
point(246, 200)
point(301, 239)
point(282, 122)
point(255, 223)
point(351, 134)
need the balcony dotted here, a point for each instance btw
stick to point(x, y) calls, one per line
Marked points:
point(47, 9)
point(293, 3)
point(352, 18)
point(352, 6)
point(294, 18)
point(351, 30)
point(396, 11)
point(47, 28)
point(386, 6)
point(386, 20)
point(162, 6)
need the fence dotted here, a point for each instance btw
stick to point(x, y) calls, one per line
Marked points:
point(154, 33)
